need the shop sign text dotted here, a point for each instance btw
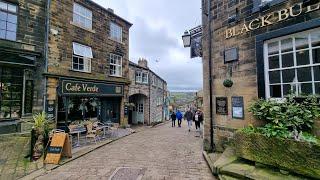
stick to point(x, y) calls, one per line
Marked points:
point(270, 19)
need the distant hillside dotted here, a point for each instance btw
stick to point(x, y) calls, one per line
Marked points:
point(182, 98)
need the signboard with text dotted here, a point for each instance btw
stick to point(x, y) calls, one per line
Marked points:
point(237, 107)
point(70, 87)
point(222, 105)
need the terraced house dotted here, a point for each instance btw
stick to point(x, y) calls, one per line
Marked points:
point(87, 73)
point(268, 48)
point(22, 61)
point(148, 95)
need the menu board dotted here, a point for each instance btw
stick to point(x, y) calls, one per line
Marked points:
point(222, 105)
point(237, 107)
point(51, 112)
point(60, 145)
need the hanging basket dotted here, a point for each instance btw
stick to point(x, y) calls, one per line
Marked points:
point(228, 83)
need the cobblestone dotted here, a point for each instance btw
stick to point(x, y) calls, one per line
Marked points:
point(162, 152)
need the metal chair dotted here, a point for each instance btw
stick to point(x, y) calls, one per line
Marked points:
point(91, 133)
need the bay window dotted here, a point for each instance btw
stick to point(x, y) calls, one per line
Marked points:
point(292, 65)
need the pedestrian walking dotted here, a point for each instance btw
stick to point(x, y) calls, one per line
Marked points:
point(189, 117)
point(173, 118)
point(198, 118)
point(179, 117)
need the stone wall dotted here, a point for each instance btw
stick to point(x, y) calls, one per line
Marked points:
point(244, 71)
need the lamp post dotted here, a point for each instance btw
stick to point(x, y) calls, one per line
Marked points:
point(187, 43)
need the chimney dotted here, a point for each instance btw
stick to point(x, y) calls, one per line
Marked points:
point(110, 10)
point(143, 63)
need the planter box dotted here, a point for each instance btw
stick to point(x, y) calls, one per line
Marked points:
point(298, 157)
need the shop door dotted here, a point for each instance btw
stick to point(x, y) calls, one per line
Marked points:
point(110, 111)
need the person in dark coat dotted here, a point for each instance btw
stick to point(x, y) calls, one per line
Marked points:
point(179, 117)
point(173, 118)
point(198, 118)
point(189, 117)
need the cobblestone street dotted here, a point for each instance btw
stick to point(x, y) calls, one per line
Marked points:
point(155, 153)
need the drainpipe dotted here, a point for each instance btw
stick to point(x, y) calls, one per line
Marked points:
point(212, 122)
point(46, 50)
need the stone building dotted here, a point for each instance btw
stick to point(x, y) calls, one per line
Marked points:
point(22, 54)
point(147, 93)
point(268, 48)
point(87, 73)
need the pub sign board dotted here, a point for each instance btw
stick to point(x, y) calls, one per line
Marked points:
point(222, 105)
point(237, 107)
point(70, 87)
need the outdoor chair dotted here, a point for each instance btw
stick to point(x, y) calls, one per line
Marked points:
point(91, 133)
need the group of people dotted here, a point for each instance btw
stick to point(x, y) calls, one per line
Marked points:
point(190, 116)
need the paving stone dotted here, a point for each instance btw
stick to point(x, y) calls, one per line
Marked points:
point(163, 152)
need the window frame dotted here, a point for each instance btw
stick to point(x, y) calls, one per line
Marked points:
point(115, 65)
point(87, 61)
point(138, 76)
point(140, 109)
point(74, 14)
point(257, 5)
point(295, 67)
point(145, 78)
point(114, 27)
point(7, 12)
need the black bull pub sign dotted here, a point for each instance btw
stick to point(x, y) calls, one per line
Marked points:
point(69, 87)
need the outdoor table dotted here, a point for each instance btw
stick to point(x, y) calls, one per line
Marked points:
point(78, 131)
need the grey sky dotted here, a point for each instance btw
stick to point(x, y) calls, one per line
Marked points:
point(156, 36)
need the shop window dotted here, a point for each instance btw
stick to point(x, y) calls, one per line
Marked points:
point(115, 65)
point(81, 60)
point(139, 76)
point(115, 32)
point(290, 65)
point(8, 21)
point(82, 16)
point(82, 108)
point(11, 88)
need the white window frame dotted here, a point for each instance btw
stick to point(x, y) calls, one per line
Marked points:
point(115, 32)
point(145, 78)
point(83, 52)
point(115, 65)
point(10, 10)
point(138, 76)
point(297, 88)
point(83, 18)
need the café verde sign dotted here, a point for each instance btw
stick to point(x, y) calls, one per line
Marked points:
point(270, 19)
point(69, 87)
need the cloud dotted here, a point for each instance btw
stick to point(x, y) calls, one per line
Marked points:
point(156, 36)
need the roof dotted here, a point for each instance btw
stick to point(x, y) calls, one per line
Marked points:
point(105, 9)
point(136, 65)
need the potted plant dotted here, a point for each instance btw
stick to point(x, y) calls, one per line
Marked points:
point(41, 131)
point(228, 83)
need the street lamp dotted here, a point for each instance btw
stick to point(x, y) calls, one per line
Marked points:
point(186, 38)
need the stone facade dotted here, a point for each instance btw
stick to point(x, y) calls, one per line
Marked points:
point(64, 31)
point(152, 91)
point(246, 26)
point(22, 61)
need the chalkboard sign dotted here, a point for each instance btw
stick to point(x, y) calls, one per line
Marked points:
point(54, 150)
point(60, 145)
point(231, 55)
point(237, 107)
point(28, 97)
point(222, 105)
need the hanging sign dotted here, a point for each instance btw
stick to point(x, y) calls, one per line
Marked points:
point(60, 145)
point(270, 19)
point(222, 105)
point(237, 107)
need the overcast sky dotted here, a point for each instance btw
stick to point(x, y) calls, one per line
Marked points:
point(156, 36)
